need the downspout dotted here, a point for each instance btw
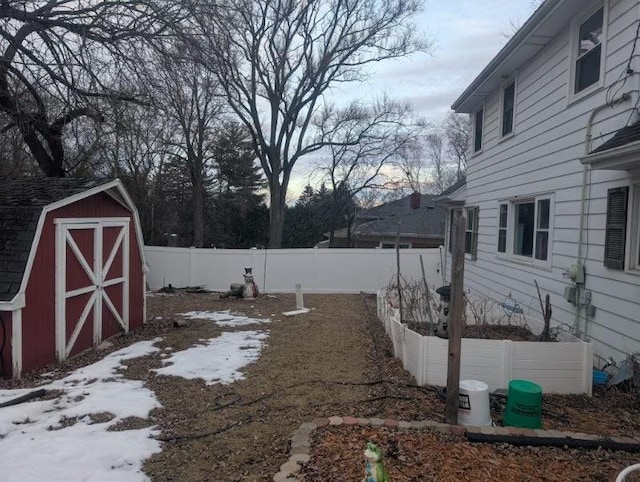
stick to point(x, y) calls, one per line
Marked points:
point(583, 204)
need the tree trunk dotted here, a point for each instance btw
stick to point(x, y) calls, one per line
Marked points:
point(276, 215)
point(198, 215)
point(51, 165)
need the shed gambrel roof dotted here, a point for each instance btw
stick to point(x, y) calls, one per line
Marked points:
point(21, 204)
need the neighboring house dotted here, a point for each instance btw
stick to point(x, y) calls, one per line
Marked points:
point(420, 221)
point(553, 181)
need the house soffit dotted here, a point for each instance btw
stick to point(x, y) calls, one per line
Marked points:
point(623, 158)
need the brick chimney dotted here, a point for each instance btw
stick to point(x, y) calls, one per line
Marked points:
point(415, 200)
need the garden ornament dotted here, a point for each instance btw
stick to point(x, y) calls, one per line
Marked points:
point(374, 468)
point(250, 288)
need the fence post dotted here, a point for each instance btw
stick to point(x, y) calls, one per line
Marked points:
point(191, 261)
point(587, 367)
point(507, 362)
point(455, 326)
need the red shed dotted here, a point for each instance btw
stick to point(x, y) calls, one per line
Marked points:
point(72, 269)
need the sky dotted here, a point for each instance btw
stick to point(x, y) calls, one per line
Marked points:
point(466, 35)
point(68, 437)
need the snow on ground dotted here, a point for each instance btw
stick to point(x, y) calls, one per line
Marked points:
point(225, 318)
point(58, 440)
point(39, 441)
point(216, 360)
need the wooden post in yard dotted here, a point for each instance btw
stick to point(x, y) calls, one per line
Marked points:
point(455, 325)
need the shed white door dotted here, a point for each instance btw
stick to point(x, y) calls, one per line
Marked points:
point(92, 282)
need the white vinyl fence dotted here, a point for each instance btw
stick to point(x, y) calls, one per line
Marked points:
point(279, 270)
point(558, 367)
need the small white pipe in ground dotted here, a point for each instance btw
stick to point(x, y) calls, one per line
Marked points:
point(623, 475)
point(299, 301)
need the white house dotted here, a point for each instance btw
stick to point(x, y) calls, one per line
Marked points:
point(553, 183)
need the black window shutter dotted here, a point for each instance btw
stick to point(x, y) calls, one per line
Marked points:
point(474, 239)
point(450, 229)
point(616, 227)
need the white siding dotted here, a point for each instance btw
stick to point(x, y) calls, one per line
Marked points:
point(543, 157)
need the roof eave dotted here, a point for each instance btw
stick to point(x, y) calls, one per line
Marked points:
point(402, 235)
point(16, 303)
point(623, 158)
point(456, 198)
point(468, 101)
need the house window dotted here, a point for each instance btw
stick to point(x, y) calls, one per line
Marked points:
point(508, 105)
point(588, 51)
point(471, 232)
point(524, 228)
point(542, 229)
point(531, 236)
point(477, 130)
point(502, 228)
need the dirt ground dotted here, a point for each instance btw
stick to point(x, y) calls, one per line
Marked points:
point(335, 360)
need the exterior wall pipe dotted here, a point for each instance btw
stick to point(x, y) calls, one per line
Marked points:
point(583, 198)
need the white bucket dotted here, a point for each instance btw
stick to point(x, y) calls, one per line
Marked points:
point(473, 407)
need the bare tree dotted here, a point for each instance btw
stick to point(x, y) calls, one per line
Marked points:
point(361, 142)
point(457, 131)
point(57, 57)
point(434, 150)
point(276, 59)
point(411, 163)
point(186, 95)
point(133, 147)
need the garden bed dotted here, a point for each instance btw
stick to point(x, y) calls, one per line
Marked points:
point(563, 367)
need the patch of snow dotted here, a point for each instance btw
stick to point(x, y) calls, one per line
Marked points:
point(225, 318)
point(217, 360)
point(36, 445)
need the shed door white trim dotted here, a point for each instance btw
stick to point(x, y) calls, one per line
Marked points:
point(97, 279)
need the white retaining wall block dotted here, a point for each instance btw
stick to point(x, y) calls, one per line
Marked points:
point(558, 367)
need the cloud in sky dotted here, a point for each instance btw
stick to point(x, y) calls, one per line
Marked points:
point(467, 34)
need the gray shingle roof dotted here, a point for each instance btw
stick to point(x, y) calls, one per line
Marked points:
point(21, 202)
point(624, 136)
point(394, 208)
point(424, 221)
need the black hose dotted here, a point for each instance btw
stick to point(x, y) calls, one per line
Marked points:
point(568, 442)
point(25, 398)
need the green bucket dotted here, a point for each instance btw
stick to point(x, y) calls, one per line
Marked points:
point(524, 405)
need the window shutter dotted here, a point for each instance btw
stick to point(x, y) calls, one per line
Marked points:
point(474, 237)
point(451, 211)
point(616, 227)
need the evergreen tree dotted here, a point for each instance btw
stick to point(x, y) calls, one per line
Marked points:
point(239, 218)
